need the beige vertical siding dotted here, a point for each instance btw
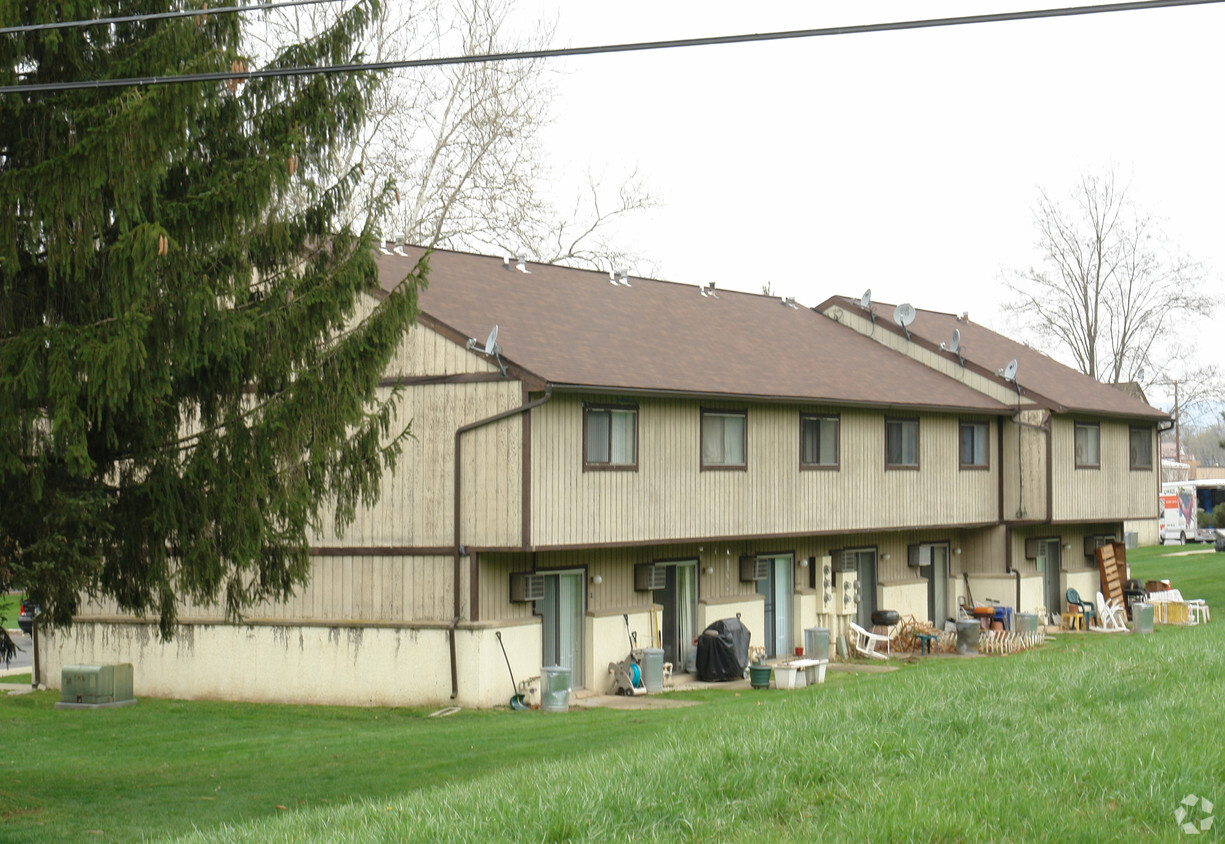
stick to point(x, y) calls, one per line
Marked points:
point(982, 550)
point(670, 497)
point(357, 589)
point(1112, 492)
point(426, 352)
point(1025, 487)
point(416, 502)
point(1072, 558)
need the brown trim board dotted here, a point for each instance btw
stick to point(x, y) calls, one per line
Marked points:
point(382, 551)
point(697, 540)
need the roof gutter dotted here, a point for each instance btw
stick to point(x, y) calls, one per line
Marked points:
point(460, 551)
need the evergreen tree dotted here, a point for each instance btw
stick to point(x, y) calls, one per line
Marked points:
point(188, 374)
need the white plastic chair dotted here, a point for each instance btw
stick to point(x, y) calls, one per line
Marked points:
point(1113, 616)
point(866, 643)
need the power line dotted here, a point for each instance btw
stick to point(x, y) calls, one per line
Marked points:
point(855, 29)
point(194, 13)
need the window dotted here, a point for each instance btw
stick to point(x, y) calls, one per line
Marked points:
point(610, 437)
point(973, 439)
point(901, 443)
point(723, 439)
point(1141, 448)
point(1088, 445)
point(818, 442)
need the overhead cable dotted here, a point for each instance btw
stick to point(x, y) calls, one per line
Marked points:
point(562, 52)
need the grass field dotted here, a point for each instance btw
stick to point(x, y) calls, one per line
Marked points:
point(1092, 738)
point(10, 608)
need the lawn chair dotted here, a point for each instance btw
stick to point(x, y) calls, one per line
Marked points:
point(866, 643)
point(1113, 616)
point(1086, 607)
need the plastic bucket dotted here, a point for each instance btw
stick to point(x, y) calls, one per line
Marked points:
point(653, 669)
point(555, 689)
point(816, 642)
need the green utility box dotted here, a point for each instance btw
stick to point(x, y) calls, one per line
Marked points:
point(96, 684)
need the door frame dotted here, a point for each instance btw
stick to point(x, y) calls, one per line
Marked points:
point(682, 647)
point(771, 634)
point(1052, 580)
point(949, 609)
point(578, 682)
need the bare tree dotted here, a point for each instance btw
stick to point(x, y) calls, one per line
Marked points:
point(461, 142)
point(1110, 290)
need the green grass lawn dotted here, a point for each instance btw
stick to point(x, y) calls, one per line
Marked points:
point(1096, 737)
point(10, 609)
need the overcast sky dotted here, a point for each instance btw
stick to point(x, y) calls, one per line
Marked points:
point(907, 162)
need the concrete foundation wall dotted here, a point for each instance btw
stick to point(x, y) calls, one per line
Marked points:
point(352, 666)
point(1002, 589)
point(907, 597)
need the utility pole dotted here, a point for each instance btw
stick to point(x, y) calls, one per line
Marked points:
point(1177, 428)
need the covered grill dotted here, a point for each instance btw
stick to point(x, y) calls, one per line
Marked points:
point(723, 651)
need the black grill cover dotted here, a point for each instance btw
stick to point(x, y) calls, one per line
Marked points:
point(723, 651)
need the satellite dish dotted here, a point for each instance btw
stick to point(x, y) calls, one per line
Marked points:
point(865, 301)
point(491, 342)
point(904, 315)
point(954, 343)
point(1009, 372)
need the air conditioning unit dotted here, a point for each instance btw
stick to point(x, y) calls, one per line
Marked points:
point(754, 568)
point(1092, 543)
point(649, 577)
point(844, 561)
point(93, 685)
point(526, 586)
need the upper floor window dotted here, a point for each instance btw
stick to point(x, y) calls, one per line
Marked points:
point(1141, 448)
point(818, 441)
point(723, 439)
point(1088, 445)
point(610, 434)
point(901, 443)
point(972, 445)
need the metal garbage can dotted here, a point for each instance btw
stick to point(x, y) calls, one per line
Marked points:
point(1141, 617)
point(816, 642)
point(968, 632)
point(555, 689)
point(653, 669)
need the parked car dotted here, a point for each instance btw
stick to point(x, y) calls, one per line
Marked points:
point(25, 620)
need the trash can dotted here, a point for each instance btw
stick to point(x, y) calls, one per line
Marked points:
point(816, 642)
point(968, 631)
point(1025, 622)
point(555, 689)
point(1141, 617)
point(653, 669)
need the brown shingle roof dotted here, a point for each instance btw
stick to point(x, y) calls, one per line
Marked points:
point(573, 327)
point(1044, 379)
